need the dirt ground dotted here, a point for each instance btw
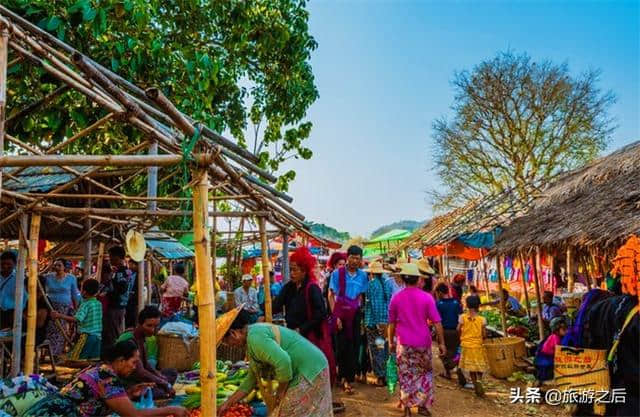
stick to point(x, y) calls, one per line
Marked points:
point(450, 401)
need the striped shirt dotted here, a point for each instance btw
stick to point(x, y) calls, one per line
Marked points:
point(89, 317)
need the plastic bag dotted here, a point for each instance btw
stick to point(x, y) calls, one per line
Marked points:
point(146, 400)
point(179, 328)
point(392, 374)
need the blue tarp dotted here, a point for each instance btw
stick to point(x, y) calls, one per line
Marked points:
point(169, 248)
point(256, 253)
point(485, 240)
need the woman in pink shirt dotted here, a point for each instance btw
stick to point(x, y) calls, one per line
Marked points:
point(174, 290)
point(409, 336)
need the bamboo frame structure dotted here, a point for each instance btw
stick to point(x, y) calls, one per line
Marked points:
point(23, 249)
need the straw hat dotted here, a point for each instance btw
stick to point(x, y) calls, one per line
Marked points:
point(247, 277)
point(136, 246)
point(224, 322)
point(376, 268)
point(409, 269)
point(424, 267)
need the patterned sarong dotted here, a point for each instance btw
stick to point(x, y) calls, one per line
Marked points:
point(308, 399)
point(415, 376)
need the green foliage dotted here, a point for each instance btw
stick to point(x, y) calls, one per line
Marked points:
point(409, 225)
point(517, 124)
point(328, 232)
point(227, 63)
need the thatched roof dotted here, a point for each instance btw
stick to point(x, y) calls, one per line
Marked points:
point(597, 205)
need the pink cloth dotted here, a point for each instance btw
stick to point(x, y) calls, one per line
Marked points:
point(175, 286)
point(409, 310)
point(549, 347)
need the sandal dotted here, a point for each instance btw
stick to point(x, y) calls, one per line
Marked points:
point(348, 389)
point(462, 381)
point(423, 411)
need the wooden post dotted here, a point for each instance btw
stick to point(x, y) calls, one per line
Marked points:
point(486, 277)
point(268, 316)
point(214, 247)
point(4, 57)
point(100, 261)
point(525, 286)
point(30, 344)
point(17, 313)
point(536, 282)
point(152, 178)
point(569, 271)
point(140, 282)
point(286, 275)
point(206, 299)
point(551, 261)
point(88, 246)
point(149, 277)
point(503, 315)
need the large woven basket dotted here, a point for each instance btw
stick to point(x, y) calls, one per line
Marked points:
point(501, 355)
point(177, 352)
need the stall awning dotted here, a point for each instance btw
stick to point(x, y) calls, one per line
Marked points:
point(166, 246)
point(455, 249)
point(484, 240)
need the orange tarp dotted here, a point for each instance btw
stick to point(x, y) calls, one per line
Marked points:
point(455, 249)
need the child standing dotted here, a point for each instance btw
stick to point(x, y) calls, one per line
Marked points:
point(471, 327)
point(89, 319)
point(544, 357)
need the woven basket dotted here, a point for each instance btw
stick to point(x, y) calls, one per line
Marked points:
point(520, 349)
point(178, 353)
point(227, 352)
point(501, 355)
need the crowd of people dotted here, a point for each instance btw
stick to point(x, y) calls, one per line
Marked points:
point(98, 322)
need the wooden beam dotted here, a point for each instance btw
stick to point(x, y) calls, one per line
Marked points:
point(84, 211)
point(80, 134)
point(30, 344)
point(129, 198)
point(43, 101)
point(206, 298)
point(97, 160)
point(266, 281)
point(286, 274)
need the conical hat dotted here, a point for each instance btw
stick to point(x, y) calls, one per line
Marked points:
point(136, 247)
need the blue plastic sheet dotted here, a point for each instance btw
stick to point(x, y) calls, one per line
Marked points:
point(485, 240)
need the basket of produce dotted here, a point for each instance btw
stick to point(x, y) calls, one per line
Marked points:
point(227, 352)
point(501, 355)
point(175, 351)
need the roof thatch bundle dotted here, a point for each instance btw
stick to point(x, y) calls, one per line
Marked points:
point(594, 206)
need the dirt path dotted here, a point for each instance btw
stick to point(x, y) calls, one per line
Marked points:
point(450, 401)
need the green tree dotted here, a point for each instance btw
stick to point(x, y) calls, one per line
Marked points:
point(228, 63)
point(517, 124)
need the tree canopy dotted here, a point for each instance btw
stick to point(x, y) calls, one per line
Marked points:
point(516, 125)
point(230, 64)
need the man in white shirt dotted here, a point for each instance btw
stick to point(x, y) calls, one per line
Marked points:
point(248, 295)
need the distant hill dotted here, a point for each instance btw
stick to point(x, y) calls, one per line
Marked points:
point(409, 225)
point(328, 232)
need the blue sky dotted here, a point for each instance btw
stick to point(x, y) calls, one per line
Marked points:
point(384, 71)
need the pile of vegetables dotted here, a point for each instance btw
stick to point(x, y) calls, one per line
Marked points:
point(228, 377)
point(238, 410)
point(516, 326)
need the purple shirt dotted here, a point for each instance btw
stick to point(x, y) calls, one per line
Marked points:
point(409, 311)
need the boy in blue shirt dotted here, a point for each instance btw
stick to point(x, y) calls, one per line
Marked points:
point(449, 309)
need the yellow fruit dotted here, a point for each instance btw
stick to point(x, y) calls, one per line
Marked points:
point(192, 389)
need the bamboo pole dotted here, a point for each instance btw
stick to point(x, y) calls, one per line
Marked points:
point(100, 261)
point(64, 196)
point(486, 276)
point(88, 247)
point(140, 278)
point(4, 57)
point(266, 281)
point(286, 274)
point(83, 211)
point(206, 299)
point(536, 281)
point(19, 295)
point(97, 160)
point(525, 287)
point(214, 246)
point(148, 277)
point(30, 344)
point(503, 301)
point(570, 280)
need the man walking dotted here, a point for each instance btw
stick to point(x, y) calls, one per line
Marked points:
point(376, 318)
point(8, 278)
point(117, 291)
point(248, 296)
point(347, 287)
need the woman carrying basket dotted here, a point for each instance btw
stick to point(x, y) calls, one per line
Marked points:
point(280, 354)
